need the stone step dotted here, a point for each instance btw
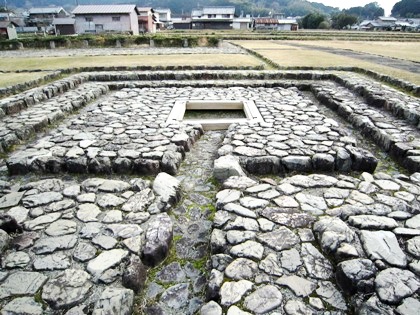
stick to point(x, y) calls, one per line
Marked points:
point(379, 95)
point(14, 104)
point(396, 136)
point(26, 122)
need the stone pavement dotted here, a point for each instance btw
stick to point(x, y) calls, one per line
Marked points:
point(115, 209)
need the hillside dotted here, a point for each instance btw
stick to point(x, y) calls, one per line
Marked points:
point(288, 7)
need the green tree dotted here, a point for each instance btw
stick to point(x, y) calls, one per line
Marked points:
point(342, 20)
point(313, 20)
point(407, 8)
point(369, 11)
point(324, 25)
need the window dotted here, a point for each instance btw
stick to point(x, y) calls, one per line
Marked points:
point(89, 19)
point(225, 16)
point(116, 19)
point(211, 16)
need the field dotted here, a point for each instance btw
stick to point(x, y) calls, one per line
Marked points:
point(291, 54)
point(296, 49)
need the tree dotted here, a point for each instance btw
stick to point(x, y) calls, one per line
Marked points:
point(369, 11)
point(324, 25)
point(407, 8)
point(312, 20)
point(342, 20)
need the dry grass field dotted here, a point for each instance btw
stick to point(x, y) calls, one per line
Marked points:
point(280, 52)
point(291, 56)
point(8, 79)
point(400, 50)
point(55, 63)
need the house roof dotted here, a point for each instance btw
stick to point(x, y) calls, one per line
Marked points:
point(365, 22)
point(163, 10)
point(387, 18)
point(48, 10)
point(266, 21)
point(63, 21)
point(219, 10)
point(144, 8)
point(287, 21)
point(105, 9)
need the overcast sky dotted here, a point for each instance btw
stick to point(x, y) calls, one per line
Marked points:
point(386, 4)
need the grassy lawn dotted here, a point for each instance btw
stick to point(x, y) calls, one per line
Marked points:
point(406, 50)
point(290, 56)
point(54, 63)
point(8, 79)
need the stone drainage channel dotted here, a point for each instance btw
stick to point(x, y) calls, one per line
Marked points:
point(177, 286)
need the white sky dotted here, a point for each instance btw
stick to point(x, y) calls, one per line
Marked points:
point(385, 4)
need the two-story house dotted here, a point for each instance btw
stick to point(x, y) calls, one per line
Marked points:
point(106, 19)
point(213, 18)
point(43, 17)
point(148, 20)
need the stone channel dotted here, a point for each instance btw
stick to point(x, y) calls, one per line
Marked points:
point(115, 211)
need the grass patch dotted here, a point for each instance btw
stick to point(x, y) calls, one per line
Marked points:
point(56, 63)
point(9, 79)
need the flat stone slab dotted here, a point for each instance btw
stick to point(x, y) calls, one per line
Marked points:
point(67, 289)
point(11, 200)
point(23, 305)
point(263, 299)
point(280, 239)
point(383, 245)
point(106, 260)
point(393, 284)
point(112, 299)
point(22, 283)
point(232, 292)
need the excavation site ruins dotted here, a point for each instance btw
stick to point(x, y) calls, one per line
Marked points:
point(210, 191)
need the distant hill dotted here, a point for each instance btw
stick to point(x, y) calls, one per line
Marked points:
point(261, 7)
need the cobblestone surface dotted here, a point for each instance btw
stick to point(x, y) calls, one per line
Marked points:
point(295, 242)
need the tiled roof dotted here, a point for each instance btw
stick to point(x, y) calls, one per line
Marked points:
point(104, 9)
point(51, 10)
point(266, 21)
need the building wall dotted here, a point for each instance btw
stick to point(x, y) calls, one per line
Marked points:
point(65, 29)
point(285, 27)
point(104, 23)
point(241, 25)
point(134, 22)
point(182, 26)
point(211, 25)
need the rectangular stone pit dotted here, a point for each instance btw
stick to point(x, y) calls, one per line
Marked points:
point(251, 112)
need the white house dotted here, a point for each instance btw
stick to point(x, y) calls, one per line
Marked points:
point(106, 19)
point(288, 25)
point(213, 18)
point(165, 16)
point(268, 23)
point(242, 23)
